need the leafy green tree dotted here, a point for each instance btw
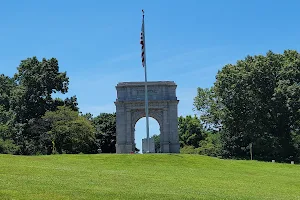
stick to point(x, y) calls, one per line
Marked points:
point(70, 133)
point(6, 86)
point(38, 140)
point(88, 116)
point(259, 103)
point(156, 142)
point(69, 102)
point(31, 97)
point(210, 109)
point(105, 125)
point(6, 118)
point(72, 103)
point(37, 81)
point(190, 131)
point(6, 115)
point(7, 145)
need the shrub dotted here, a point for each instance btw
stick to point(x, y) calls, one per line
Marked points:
point(188, 150)
point(8, 147)
point(211, 145)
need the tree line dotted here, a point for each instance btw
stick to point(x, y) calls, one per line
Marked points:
point(253, 105)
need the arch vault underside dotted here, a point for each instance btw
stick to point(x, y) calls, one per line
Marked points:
point(130, 108)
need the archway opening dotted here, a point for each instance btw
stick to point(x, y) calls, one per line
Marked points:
point(140, 134)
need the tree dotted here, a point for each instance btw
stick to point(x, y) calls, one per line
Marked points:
point(70, 133)
point(7, 145)
point(88, 116)
point(36, 82)
point(156, 142)
point(210, 108)
point(259, 101)
point(105, 125)
point(190, 131)
point(6, 86)
point(69, 102)
point(72, 103)
point(31, 97)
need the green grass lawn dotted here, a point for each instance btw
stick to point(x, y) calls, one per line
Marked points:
point(151, 176)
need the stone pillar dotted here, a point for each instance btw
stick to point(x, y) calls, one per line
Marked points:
point(174, 138)
point(129, 142)
point(164, 137)
point(132, 136)
point(121, 128)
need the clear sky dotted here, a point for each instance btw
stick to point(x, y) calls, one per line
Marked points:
point(97, 42)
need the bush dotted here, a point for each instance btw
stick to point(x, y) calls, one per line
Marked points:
point(8, 147)
point(188, 150)
point(211, 145)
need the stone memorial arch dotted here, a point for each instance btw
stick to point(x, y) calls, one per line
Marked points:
point(130, 107)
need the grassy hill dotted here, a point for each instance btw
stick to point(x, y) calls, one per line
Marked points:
point(144, 177)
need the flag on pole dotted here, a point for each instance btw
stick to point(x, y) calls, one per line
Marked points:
point(143, 55)
point(142, 42)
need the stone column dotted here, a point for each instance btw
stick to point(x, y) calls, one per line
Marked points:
point(164, 137)
point(129, 142)
point(121, 128)
point(174, 138)
point(132, 136)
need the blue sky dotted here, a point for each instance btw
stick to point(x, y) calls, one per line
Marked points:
point(97, 42)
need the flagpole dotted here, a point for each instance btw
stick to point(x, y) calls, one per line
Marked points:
point(146, 88)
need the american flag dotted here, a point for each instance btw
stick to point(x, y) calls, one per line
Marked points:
point(142, 42)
